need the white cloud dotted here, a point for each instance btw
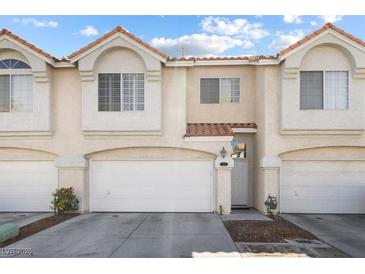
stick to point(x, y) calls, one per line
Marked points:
point(36, 23)
point(330, 18)
point(199, 44)
point(88, 31)
point(313, 23)
point(284, 40)
point(236, 27)
point(292, 19)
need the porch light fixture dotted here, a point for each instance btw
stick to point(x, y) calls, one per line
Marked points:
point(223, 152)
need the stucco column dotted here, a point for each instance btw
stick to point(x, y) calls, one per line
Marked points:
point(270, 184)
point(73, 172)
point(223, 168)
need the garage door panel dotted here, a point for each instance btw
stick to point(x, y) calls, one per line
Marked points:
point(322, 187)
point(27, 185)
point(152, 186)
point(325, 206)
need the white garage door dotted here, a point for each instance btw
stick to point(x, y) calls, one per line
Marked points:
point(175, 186)
point(27, 185)
point(322, 187)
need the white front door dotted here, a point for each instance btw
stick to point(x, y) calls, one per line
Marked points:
point(239, 187)
point(148, 186)
point(322, 187)
point(27, 185)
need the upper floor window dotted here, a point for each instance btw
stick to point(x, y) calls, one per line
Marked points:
point(219, 90)
point(13, 64)
point(116, 90)
point(324, 89)
point(16, 89)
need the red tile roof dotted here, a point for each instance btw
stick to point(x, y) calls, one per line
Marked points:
point(106, 36)
point(254, 58)
point(27, 44)
point(214, 129)
point(316, 33)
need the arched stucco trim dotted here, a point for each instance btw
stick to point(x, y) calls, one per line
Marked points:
point(25, 153)
point(325, 152)
point(346, 51)
point(9, 53)
point(35, 62)
point(102, 54)
point(151, 152)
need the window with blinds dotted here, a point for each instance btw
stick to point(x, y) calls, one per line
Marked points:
point(133, 91)
point(219, 90)
point(109, 92)
point(324, 89)
point(16, 93)
point(209, 91)
point(121, 92)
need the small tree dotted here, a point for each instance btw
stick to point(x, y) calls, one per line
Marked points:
point(64, 200)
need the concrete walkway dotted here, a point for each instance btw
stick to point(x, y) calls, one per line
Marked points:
point(22, 218)
point(344, 232)
point(156, 235)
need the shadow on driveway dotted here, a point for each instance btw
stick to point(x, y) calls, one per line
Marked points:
point(136, 235)
point(344, 232)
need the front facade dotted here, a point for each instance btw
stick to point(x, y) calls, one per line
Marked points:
point(134, 130)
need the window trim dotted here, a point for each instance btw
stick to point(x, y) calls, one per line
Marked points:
point(121, 92)
point(324, 90)
point(25, 72)
point(220, 90)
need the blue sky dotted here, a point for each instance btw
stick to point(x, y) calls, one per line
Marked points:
point(198, 35)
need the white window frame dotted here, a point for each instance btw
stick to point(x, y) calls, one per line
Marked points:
point(121, 92)
point(13, 72)
point(220, 90)
point(324, 90)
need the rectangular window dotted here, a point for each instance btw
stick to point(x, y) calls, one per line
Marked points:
point(209, 91)
point(116, 90)
point(230, 90)
point(311, 90)
point(324, 89)
point(16, 93)
point(219, 90)
point(336, 90)
point(109, 92)
point(4, 93)
point(133, 91)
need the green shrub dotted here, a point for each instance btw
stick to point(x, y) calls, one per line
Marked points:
point(64, 200)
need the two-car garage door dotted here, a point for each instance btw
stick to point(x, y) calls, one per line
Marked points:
point(322, 186)
point(170, 186)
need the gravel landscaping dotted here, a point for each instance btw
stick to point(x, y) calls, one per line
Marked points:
point(38, 226)
point(276, 231)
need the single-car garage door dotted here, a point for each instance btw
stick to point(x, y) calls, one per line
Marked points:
point(170, 186)
point(322, 187)
point(27, 185)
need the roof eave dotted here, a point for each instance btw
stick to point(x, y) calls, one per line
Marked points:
point(76, 56)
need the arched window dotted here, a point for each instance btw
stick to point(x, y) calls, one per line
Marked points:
point(13, 64)
point(16, 86)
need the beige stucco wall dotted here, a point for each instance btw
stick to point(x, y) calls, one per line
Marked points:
point(322, 57)
point(225, 112)
point(269, 95)
point(38, 121)
point(70, 144)
point(277, 101)
point(117, 59)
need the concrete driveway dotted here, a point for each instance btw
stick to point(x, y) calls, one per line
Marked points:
point(133, 235)
point(344, 232)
